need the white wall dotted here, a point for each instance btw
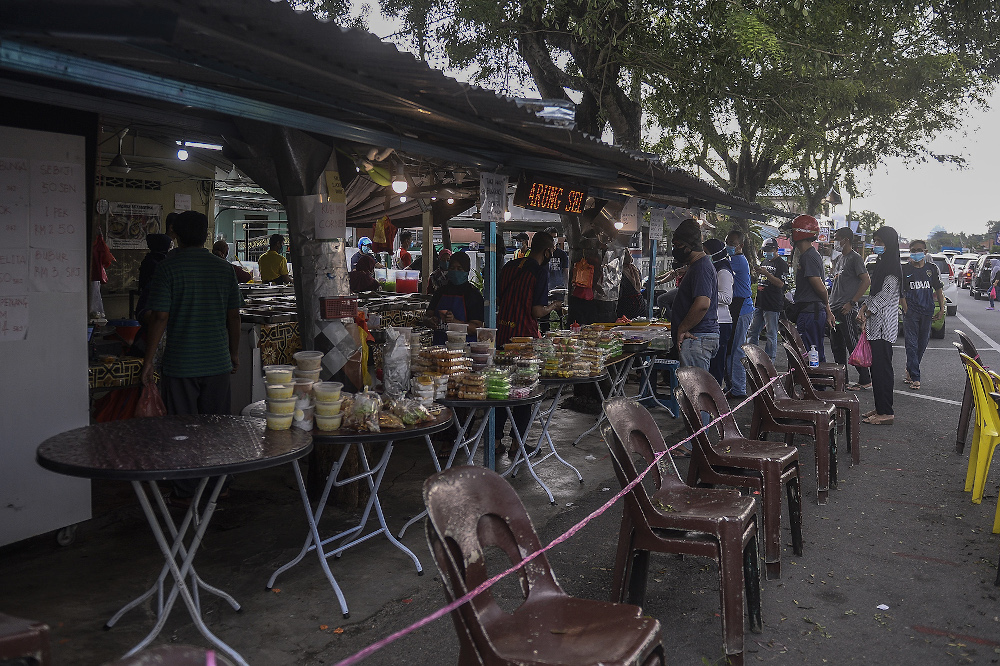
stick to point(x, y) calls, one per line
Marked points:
point(43, 378)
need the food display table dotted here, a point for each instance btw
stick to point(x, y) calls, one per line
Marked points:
point(168, 448)
point(373, 477)
point(617, 369)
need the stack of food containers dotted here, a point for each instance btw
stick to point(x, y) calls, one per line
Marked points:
point(308, 364)
point(497, 384)
point(525, 377)
point(328, 402)
point(280, 396)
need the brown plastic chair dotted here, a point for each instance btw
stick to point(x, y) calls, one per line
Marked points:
point(775, 411)
point(827, 374)
point(965, 346)
point(676, 518)
point(737, 461)
point(24, 641)
point(470, 509)
point(847, 403)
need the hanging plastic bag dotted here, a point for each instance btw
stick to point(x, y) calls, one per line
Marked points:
point(150, 402)
point(861, 357)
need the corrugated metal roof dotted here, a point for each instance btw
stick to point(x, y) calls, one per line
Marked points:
point(267, 52)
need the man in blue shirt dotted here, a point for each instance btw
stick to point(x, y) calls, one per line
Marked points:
point(694, 318)
point(742, 311)
point(921, 287)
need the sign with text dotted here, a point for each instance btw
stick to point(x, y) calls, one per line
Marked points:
point(334, 190)
point(492, 196)
point(549, 195)
point(56, 269)
point(13, 317)
point(331, 220)
point(13, 271)
point(58, 203)
point(182, 202)
point(657, 218)
point(629, 216)
point(14, 186)
point(130, 223)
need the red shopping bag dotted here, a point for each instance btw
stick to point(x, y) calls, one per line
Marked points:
point(150, 402)
point(861, 357)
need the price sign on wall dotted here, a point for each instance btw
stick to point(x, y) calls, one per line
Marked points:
point(14, 182)
point(57, 205)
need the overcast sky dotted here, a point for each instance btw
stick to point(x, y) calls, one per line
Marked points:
point(915, 198)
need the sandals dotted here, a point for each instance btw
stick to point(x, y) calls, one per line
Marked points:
point(859, 387)
point(914, 386)
point(871, 413)
point(879, 419)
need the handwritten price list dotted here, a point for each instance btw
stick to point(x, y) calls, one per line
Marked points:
point(42, 236)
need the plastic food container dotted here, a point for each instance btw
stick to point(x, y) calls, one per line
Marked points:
point(303, 418)
point(407, 282)
point(487, 335)
point(278, 374)
point(302, 386)
point(458, 327)
point(281, 406)
point(280, 391)
point(327, 391)
point(279, 421)
point(328, 408)
point(328, 423)
point(311, 375)
point(308, 360)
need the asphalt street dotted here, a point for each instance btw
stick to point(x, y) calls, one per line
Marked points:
point(898, 567)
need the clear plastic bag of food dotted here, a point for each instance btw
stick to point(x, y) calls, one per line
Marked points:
point(396, 363)
point(365, 411)
point(410, 412)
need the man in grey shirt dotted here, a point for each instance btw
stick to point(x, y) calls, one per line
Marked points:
point(850, 281)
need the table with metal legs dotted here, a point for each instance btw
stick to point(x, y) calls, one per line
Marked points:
point(618, 369)
point(372, 476)
point(167, 448)
point(653, 361)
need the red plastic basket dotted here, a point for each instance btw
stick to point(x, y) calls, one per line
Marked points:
point(337, 307)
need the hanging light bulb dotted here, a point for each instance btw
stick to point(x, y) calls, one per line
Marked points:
point(118, 163)
point(399, 184)
point(402, 199)
point(450, 201)
point(619, 225)
point(507, 215)
point(182, 154)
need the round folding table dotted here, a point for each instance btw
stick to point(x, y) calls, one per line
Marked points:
point(167, 448)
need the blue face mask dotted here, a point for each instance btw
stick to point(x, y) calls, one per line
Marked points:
point(917, 256)
point(730, 250)
point(769, 255)
point(458, 277)
point(878, 249)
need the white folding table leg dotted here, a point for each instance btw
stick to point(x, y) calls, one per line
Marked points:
point(522, 454)
point(179, 573)
point(600, 419)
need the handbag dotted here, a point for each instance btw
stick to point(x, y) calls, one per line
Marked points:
point(861, 357)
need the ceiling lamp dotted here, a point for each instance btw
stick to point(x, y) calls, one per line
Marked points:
point(182, 154)
point(619, 225)
point(507, 215)
point(450, 201)
point(118, 163)
point(402, 199)
point(398, 178)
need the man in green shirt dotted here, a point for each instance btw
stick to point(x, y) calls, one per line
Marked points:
point(195, 299)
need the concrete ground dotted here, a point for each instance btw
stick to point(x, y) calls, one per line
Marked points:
point(899, 532)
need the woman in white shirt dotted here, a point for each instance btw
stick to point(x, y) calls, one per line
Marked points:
point(880, 316)
point(716, 249)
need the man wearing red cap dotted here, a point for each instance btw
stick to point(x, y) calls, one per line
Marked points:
point(812, 302)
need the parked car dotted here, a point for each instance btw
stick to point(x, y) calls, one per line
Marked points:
point(944, 267)
point(980, 280)
point(960, 262)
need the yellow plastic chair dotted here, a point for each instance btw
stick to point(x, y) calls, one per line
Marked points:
point(984, 443)
point(970, 364)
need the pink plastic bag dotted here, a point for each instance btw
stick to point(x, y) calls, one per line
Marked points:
point(150, 402)
point(861, 357)
point(993, 293)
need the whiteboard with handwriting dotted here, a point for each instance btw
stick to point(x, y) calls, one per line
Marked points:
point(43, 325)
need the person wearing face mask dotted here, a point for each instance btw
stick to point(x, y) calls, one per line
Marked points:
point(716, 249)
point(812, 302)
point(741, 310)
point(771, 275)
point(456, 302)
point(850, 282)
point(922, 286)
point(439, 277)
point(694, 318)
point(880, 316)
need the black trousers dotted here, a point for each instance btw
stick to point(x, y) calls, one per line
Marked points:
point(882, 375)
point(843, 340)
point(195, 395)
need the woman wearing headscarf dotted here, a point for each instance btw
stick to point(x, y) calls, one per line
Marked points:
point(716, 249)
point(880, 316)
point(994, 279)
point(631, 304)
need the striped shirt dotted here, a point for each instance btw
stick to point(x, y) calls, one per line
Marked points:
point(883, 311)
point(196, 289)
point(522, 283)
